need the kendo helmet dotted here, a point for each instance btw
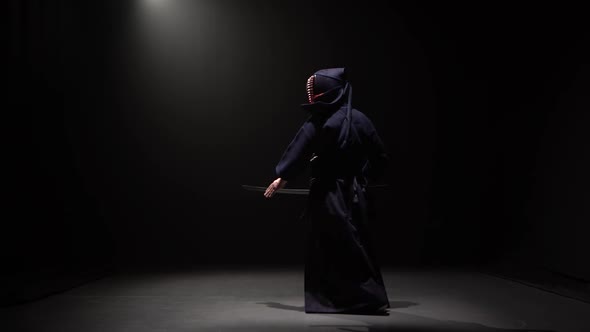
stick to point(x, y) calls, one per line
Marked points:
point(326, 92)
point(327, 86)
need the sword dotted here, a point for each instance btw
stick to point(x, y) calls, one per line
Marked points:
point(296, 191)
point(292, 191)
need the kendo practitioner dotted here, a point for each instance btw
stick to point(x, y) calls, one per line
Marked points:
point(345, 152)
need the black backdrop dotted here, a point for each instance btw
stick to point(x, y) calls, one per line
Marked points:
point(132, 125)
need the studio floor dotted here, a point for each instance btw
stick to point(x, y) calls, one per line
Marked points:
point(271, 299)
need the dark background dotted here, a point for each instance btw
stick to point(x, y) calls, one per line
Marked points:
point(131, 126)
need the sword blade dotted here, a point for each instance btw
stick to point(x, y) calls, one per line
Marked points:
point(292, 191)
point(296, 191)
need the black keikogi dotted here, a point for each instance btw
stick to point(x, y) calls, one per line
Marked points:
point(342, 274)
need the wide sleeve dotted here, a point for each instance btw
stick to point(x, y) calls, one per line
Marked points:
point(296, 157)
point(377, 155)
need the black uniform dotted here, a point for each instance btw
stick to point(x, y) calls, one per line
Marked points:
point(341, 271)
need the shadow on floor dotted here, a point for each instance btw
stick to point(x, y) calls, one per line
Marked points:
point(276, 305)
point(365, 328)
point(392, 323)
point(426, 326)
